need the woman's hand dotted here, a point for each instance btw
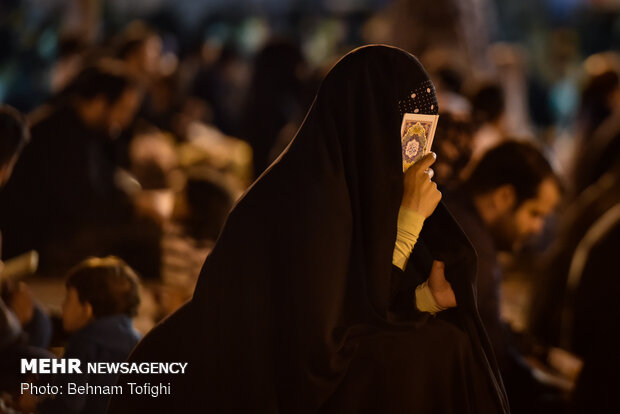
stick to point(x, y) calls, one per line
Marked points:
point(420, 193)
point(440, 287)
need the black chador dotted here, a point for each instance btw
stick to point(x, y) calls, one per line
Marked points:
point(299, 309)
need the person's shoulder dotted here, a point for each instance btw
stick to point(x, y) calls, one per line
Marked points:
point(107, 336)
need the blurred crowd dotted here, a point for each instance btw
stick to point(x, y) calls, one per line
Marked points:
point(135, 142)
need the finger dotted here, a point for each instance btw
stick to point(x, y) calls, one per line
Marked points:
point(436, 271)
point(438, 275)
point(430, 172)
point(438, 266)
point(426, 161)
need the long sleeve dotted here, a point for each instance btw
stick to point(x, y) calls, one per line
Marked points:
point(408, 230)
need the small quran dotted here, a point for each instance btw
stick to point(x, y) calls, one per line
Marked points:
point(417, 133)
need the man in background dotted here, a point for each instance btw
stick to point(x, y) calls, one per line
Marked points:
point(503, 202)
point(65, 181)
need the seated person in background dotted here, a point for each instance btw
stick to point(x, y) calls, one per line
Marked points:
point(14, 136)
point(102, 296)
point(34, 320)
point(62, 198)
point(15, 341)
point(575, 308)
point(13, 348)
point(503, 202)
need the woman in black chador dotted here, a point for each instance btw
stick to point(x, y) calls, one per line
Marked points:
point(299, 308)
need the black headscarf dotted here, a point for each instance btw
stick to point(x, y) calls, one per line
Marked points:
point(300, 280)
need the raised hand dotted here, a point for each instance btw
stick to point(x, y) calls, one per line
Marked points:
point(420, 193)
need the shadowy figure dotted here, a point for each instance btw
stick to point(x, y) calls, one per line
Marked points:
point(293, 310)
point(274, 99)
point(65, 181)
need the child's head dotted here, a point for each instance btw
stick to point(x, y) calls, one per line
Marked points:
point(99, 287)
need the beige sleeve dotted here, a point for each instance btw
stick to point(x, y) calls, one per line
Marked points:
point(408, 230)
point(425, 301)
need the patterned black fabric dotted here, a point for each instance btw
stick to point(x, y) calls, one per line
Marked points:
point(421, 100)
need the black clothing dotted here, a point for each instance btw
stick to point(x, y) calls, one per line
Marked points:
point(63, 201)
point(488, 277)
point(522, 388)
point(595, 316)
point(548, 302)
point(63, 181)
point(292, 310)
point(596, 153)
point(581, 315)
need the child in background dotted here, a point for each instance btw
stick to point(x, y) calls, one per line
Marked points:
point(102, 296)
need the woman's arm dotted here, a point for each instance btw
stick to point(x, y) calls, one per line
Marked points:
point(420, 198)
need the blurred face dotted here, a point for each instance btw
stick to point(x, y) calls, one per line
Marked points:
point(515, 226)
point(122, 112)
point(152, 54)
point(75, 314)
